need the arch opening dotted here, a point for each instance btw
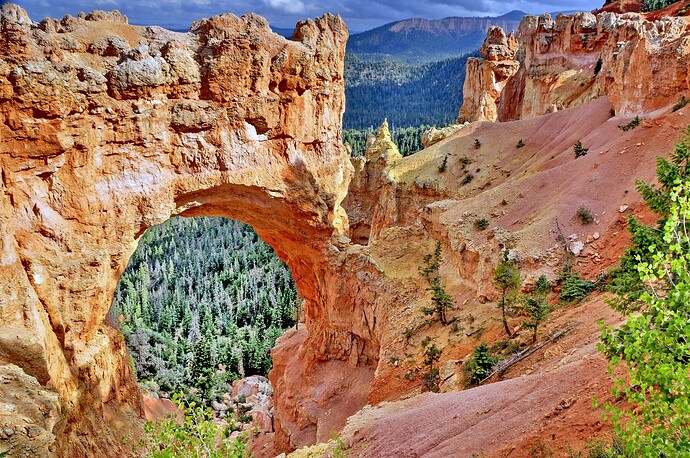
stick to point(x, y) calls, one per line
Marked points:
point(201, 304)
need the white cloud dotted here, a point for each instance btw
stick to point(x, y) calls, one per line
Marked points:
point(287, 6)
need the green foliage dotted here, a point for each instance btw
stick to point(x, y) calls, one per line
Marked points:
point(507, 280)
point(431, 378)
point(504, 348)
point(464, 161)
point(408, 95)
point(469, 177)
point(631, 125)
point(477, 143)
point(201, 304)
point(597, 67)
point(444, 164)
point(625, 280)
point(535, 306)
point(668, 173)
point(198, 435)
point(520, 144)
point(202, 370)
point(481, 364)
point(653, 5)
point(585, 215)
point(576, 288)
point(441, 301)
point(481, 223)
point(681, 103)
point(339, 450)
point(654, 346)
point(579, 149)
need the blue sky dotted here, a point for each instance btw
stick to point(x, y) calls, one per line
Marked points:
point(360, 15)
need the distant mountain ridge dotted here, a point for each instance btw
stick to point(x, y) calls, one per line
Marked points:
point(422, 40)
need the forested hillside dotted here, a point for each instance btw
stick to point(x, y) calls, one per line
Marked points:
point(201, 293)
point(408, 139)
point(419, 40)
point(408, 95)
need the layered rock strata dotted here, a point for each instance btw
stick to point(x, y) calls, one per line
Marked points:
point(566, 61)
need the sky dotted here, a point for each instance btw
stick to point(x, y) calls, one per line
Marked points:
point(360, 15)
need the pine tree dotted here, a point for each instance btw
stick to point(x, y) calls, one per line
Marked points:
point(507, 280)
point(202, 369)
point(442, 301)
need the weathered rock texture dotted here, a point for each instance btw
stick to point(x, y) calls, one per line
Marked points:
point(107, 129)
point(486, 78)
point(575, 58)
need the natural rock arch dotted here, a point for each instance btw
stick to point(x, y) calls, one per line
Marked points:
point(109, 129)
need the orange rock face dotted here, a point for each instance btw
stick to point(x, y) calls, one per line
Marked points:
point(107, 129)
point(487, 77)
point(575, 58)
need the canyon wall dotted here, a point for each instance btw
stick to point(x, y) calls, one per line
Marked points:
point(107, 129)
point(566, 61)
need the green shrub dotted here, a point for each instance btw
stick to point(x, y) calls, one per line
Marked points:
point(585, 215)
point(631, 125)
point(198, 435)
point(520, 143)
point(469, 177)
point(576, 288)
point(481, 223)
point(507, 280)
point(539, 450)
point(579, 149)
point(431, 377)
point(505, 347)
point(681, 103)
point(653, 5)
point(465, 160)
point(652, 346)
point(535, 306)
point(480, 365)
point(340, 450)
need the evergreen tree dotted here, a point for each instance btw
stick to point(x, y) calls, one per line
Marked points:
point(507, 280)
point(202, 370)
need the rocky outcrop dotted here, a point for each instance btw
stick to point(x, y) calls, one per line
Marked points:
point(434, 135)
point(640, 64)
point(107, 129)
point(485, 78)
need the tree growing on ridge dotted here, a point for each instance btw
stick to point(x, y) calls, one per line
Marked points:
point(507, 280)
point(441, 300)
point(536, 306)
